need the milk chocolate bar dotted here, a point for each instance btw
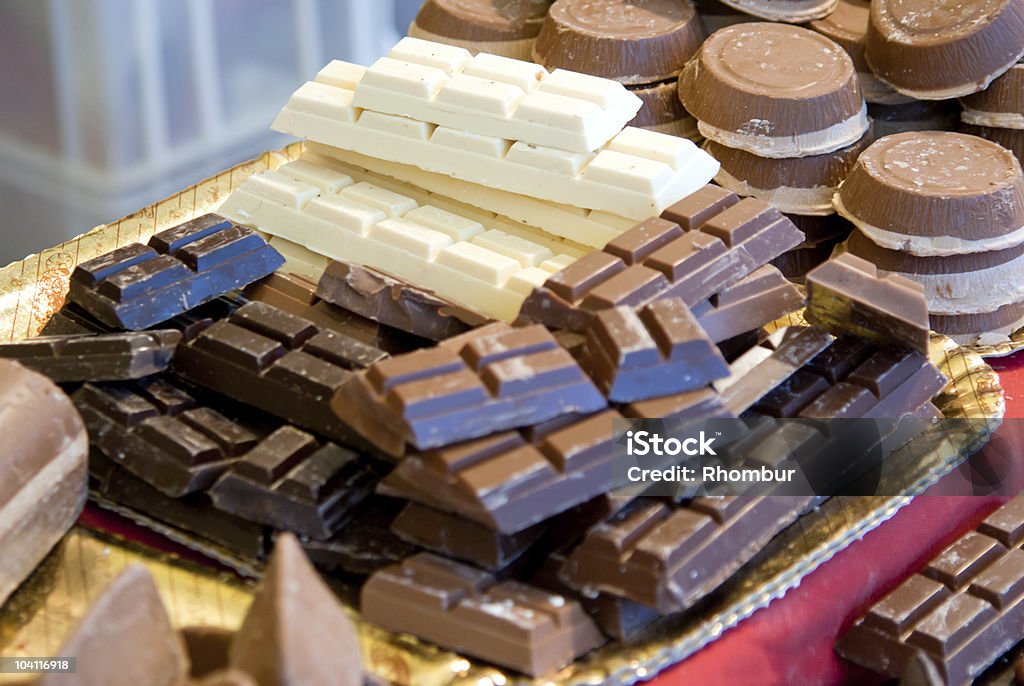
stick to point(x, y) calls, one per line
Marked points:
point(635, 174)
point(95, 357)
point(365, 543)
point(393, 302)
point(846, 295)
point(489, 95)
point(658, 350)
point(668, 556)
point(277, 362)
point(699, 246)
point(510, 481)
point(297, 295)
point(755, 300)
point(501, 27)
point(289, 480)
point(158, 431)
point(962, 611)
point(484, 381)
point(42, 470)
point(137, 286)
point(459, 607)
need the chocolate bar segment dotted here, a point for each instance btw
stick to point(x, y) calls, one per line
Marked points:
point(394, 302)
point(292, 481)
point(365, 543)
point(280, 363)
point(485, 381)
point(704, 243)
point(846, 295)
point(657, 351)
point(137, 286)
point(157, 431)
point(459, 607)
point(964, 610)
point(752, 302)
point(99, 357)
point(511, 481)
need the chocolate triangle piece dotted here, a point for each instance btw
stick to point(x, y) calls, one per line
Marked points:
point(125, 639)
point(296, 631)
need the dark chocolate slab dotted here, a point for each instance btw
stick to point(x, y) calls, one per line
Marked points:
point(95, 357)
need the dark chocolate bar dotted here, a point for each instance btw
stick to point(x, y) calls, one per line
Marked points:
point(462, 608)
point(656, 351)
point(95, 357)
point(485, 381)
point(699, 246)
point(366, 542)
point(668, 556)
point(277, 362)
point(137, 286)
point(846, 295)
point(394, 302)
point(752, 302)
point(291, 481)
point(962, 611)
point(510, 481)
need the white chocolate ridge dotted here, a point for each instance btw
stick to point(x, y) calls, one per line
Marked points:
point(998, 120)
point(758, 142)
point(637, 174)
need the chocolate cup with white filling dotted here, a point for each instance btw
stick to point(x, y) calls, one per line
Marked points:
point(774, 90)
point(915, 115)
point(791, 11)
point(937, 50)
point(630, 41)
point(936, 193)
point(1011, 139)
point(967, 329)
point(663, 112)
point(502, 27)
point(848, 27)
point(798, 185)
point(1001, 105)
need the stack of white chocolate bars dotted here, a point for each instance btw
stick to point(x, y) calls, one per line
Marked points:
point(476, 177)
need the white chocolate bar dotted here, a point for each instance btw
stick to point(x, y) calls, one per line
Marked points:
point(334, 215)
point(589, 227)
point(495, 96)
point(636, 175)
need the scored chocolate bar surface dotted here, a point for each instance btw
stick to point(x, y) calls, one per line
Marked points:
point(95, 357)
point(699, 246)
point(485, 381)
point(962, 611)
point(752, 302)
point(137, 286)
point(656, 351)
point(280, 363)
point(465, 609)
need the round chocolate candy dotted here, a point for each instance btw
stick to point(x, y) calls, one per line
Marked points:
point(936, 193)
point(968, 283)
point(774, 90)
point(663, 112)
point(630, 41)
point(1011, 139)
point(1001, 105)
point(914, 115)
point(502, 27)
point(940, 49)
point(983, 328)
point(848, 27)
point(800, 185)
point(792, 11)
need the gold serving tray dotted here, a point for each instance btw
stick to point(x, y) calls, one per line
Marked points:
point(36, 619)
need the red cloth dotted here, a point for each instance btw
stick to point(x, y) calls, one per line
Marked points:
point(790, 641)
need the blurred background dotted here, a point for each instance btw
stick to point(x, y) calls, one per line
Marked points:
point(107, 106)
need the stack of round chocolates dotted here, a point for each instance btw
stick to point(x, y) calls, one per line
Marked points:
point(782, 111)
point(946, 210)
point(997, 113)
point(642, 44)
point(501, 27)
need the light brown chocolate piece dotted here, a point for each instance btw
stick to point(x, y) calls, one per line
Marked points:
point(935, 51)
point(296, 631)
point(1004, 96)
point(935, 184)
point(792, 11)
point(633, 42)
point(906, 263)
point(662, 111)
point(125, 639)
point(42, 470)
point(967, 328)
point(754, 301)
point(502, 27)
point(775, 90)
point(1011, 139)
point(847, 25)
